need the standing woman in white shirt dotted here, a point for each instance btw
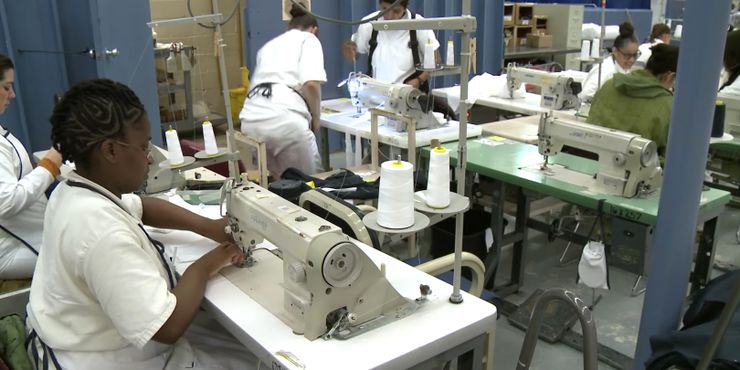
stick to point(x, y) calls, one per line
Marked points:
point(624, 54)
point(392, 55)
point(661, 34)
point(104, 295)
point(283, 108)
point(22, 197)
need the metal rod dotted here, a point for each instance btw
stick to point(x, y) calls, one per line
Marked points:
point(588, 327)
point(213, 18)
point(53, 51)
point(233, 164)
point(456, 297)
point(671, 254)
point(464, 23)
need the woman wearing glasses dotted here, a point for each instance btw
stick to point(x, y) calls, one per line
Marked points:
point(640, 101)
point(104, 294)
point(624, 55)
point(22, 187)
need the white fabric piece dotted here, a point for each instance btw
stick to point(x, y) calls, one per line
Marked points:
point(645, 52)
point(501, 89)
point(283, 120)
point(733, 88)
point(591, 84)
point(591, 31)
point(592, 267)
point(483, 86)
point(22, 205)
point(392, 59)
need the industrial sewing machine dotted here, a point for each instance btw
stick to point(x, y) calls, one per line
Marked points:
point(558, 92)
point(161, 179)
point(400, 99)
point(628, 164)
point(324, 285)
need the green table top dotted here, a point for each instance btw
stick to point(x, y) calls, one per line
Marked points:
point(512, 163)
point(727, 146)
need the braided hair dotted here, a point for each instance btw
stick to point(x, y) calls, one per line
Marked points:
point(89, 113)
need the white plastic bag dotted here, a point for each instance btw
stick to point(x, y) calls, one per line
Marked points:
point(592, 267)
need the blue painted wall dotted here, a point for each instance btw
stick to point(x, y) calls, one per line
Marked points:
point(73, 26)
point(640, 18)
point(38, 75)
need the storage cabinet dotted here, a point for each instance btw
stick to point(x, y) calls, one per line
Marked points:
point(564, 22)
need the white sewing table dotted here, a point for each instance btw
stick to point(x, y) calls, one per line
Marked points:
point(436, 332)
point(339, 115)
point(521, 129)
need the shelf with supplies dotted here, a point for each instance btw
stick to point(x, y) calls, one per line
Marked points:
point(173, 64)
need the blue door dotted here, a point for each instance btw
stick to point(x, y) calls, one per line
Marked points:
point(118, 32)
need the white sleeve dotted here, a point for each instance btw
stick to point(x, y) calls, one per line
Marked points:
point(311, 61)
point(590, 83)
point(424, 35)
point(362, 38)
point(134, 205)
point(130, 291)
point(17, 195)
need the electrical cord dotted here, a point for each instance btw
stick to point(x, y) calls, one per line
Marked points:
point(233, 11)
point(340, 21)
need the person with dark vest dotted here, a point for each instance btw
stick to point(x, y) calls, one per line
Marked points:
point(393, 55)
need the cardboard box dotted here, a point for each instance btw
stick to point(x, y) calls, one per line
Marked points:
point(539, 41)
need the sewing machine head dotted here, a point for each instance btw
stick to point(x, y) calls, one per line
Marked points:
point(161, 179)
point(400, 99)
point(327, 279)
point(558, 92)
point(628, 164)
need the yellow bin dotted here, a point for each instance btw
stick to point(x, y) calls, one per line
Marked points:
point(238, 95)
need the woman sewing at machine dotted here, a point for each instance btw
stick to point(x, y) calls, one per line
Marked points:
point(283, 107)
point(22, 187)
point(624, 54)
point(104, 295)
point(640, 101)
point(393, 55)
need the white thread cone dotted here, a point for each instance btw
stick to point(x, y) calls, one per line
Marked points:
point(438, 180)
point(396, 198)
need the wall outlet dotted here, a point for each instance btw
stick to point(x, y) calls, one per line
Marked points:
point(287, 5)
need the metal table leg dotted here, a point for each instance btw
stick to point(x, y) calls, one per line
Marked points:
point(704, 255)
point(325, 148)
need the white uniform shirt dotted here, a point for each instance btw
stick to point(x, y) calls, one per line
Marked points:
point(392, 59)
point(22, 201)
point(645, 52)
point(591, 84)
point(288, 61)
point(100, 291)
point(733, 88)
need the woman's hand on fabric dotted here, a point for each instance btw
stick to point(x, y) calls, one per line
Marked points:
point(223, 255)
